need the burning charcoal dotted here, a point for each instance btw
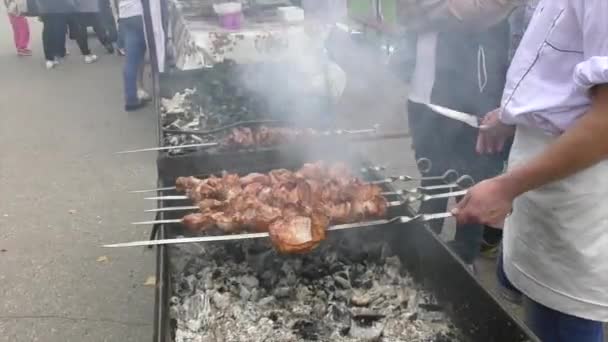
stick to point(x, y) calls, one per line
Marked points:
point(342, 282)
point(282, 292)
point(366, 326)
point(268, 279)
point(303, 293)
point(250, 281)
point(266, 301)
point(360, 299)
point(244, 293)
point(220, 300)
point(187, 286)
point(307, 330)
point(290, 275)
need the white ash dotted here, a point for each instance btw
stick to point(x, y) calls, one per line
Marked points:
point(342, 291)
point(179, 103)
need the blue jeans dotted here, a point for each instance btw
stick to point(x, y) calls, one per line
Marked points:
point(551, 325)
point(132, 29)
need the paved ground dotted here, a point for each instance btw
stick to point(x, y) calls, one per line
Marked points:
point(63, 193)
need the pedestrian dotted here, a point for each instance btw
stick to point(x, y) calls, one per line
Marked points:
point(53, 38)
point(56, 15)
point(21, 29)
point(131, 22)
point(108, 35)
point(461, 62)
point(76, 28)
point(555, 103)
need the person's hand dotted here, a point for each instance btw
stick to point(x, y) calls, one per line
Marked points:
point(489, 202)
point(493, 134)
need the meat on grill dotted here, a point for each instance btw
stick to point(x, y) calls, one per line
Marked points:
point(262, 136)
point(295, 208)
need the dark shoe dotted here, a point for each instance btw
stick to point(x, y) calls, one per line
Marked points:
point(134, 107)
point(489, 251)
point(110, 48)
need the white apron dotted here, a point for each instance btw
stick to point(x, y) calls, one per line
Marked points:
point(556, 240)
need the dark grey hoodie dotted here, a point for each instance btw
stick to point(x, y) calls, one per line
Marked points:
point(42, 7)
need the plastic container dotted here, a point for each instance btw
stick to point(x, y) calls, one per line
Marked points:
point(230, 15)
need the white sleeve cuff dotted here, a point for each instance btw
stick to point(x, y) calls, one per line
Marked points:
point(591, 72)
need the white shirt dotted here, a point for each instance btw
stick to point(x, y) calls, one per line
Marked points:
point(130, 8)
point(563, 53)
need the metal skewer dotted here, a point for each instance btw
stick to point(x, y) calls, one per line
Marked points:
point(449, 176)
point(416, 197)
point(399, 219)
point(169, 188)
point(338, 132)
point(168, 198)
point(167, 148)
point(425, 198)
point(194, 207)
point(463, 182)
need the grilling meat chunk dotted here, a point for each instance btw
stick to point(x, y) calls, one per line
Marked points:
point(295, 208)
point(297, 234)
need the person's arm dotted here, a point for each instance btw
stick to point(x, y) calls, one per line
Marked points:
point(581, 146)
point(586, 143)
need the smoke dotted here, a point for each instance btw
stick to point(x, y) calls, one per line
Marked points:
point(326, 78)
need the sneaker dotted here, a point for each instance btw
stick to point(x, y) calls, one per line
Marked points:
point(134, 107)
point(143, 95)
point(90, 59)
point(50, 64)
point(489, 251)
point(120, 51)
point(24, 52)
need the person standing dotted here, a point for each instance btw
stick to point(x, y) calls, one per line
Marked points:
point(554, 192)
point(76, 27)
point(55, 16)
point(108, 34)
point(53, 37)
point(131, 25)
point(461, 61)
point(21, 28)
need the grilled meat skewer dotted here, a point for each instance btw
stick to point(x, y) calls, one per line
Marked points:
point(262, 136)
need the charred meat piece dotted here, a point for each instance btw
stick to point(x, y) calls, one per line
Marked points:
point(255, 178)
point(294, 207)
point(184, 183)
point(296, 234)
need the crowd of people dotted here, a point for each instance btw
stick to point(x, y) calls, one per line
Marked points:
point(63, 19)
